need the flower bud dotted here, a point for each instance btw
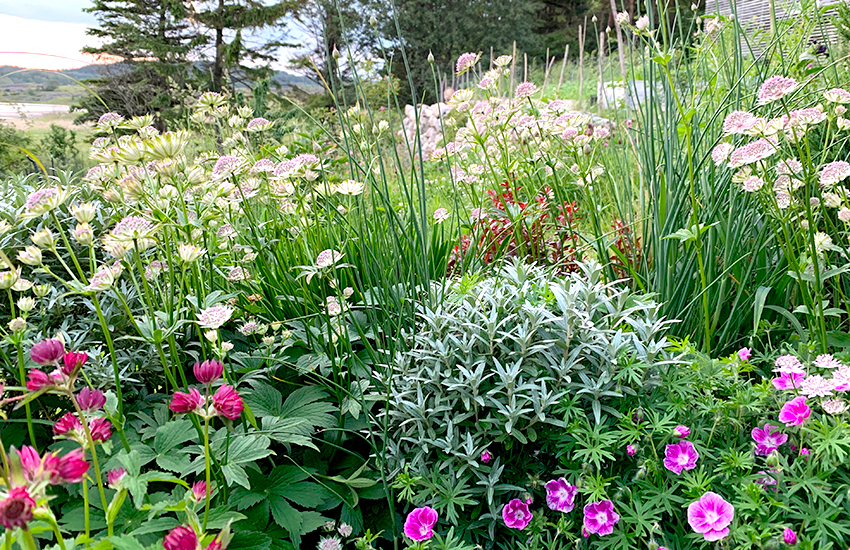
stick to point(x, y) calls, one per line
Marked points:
point(373, 21)
point(26, 303)
point(83, 234)
point(431, 57)
point(30, 255)
point(335, 54)
point(18, 324)
point(41, 290)
point(85, 212)
point(43, 238)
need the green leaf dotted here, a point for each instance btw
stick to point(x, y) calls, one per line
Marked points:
point(173, 434)
point(124, 542)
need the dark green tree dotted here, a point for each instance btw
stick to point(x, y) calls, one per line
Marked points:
point(245, 36)
point(151, 42)
point(448, 28)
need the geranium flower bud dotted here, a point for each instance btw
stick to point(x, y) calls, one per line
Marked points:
point(185, 402)
point(227, 402)
point(47, 352)
point(790, 537)
point(209, 371)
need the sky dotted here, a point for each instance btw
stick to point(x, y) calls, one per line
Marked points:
point(48, 34)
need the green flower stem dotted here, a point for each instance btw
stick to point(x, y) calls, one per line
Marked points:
point(23, 375)
point(97, 473)
point(86, 510)
point(67, 243)
point(7, 544)
point(111, 346)
point(207, 468)
point(30, 542)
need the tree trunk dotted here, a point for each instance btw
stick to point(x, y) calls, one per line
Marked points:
point(218, 65)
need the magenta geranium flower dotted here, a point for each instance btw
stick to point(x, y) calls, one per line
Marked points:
point(744, 354)
point(680, 456)
point(788, 380)
point(681, 431)
point(710, 516)
point(420, 523)
point(560, 495)
point(631, 450)
point(794, 412)
point(486, 457)
point(600, 517)
point(768, 439)
point(516, 514)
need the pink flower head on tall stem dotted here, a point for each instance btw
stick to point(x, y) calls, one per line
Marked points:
point(680, 456)
point(209, 371)
point(199, 491)
point(16, 508)
point(789, 536)
point(91, 400)
point(70, 468)
point(69, 422)
point(768, 439)
point(100, 429)
point(114, 477)
point(710, 516)
point(794, 412)
point(227, 402)
point(185, 402)
point(38, 380)
point(516, 514)
point(775, 88)
point(181, 537)
point(47, 352)
point(560, 495)
point(72, 361)
point(420, 523)
point(600, 517)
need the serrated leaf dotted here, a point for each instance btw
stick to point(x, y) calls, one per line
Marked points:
point(125, 542)
point(173, 434)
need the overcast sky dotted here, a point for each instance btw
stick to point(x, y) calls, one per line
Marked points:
point(48, 34)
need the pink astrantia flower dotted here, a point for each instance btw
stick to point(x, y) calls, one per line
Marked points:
point(816, 386)
point(680, 456)
point(185, 402)
point(789, 536)
point(560, 495)
point(114, 477)
point(91, 400)
point(227, 402)
point(775, 88)
point(744, 354)
point(720, 153)
point(752, 152)
point(37, 380)
point(199, 491)
point(486, 457)
point(30, 462)
point(209, 371)
point(710, 516)
point(100, 429)
point(72, 361)
point(420, 523)
point(466, 61)
point(526, 89)
point(768, 439)
point(738, 122)
point(827, 361)
point(16, 508)
point(47, 352)
point(70, 468)
point(516, 514)
point(600, 518)
point(181, 537)
point(69, 422)
point(794, 412)
point(681, 431)
point(834, 172)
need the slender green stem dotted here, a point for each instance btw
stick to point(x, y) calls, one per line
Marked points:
point(23, 376)
point(86, 510)
point(97, 473)
point(207, 470)
point(117, 373)
point(30, 541)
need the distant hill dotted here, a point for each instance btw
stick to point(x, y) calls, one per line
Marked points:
point(10, 76)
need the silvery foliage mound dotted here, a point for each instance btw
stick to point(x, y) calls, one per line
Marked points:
point(488, 365)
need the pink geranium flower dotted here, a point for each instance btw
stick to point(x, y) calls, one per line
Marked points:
point(486, 457)
point(516, 514)
point(560, 495)
point(710, 516)
point(680, 456)
point(600, 517)
point(794, 412)
point(420, 523)
point(788, 380)
point(768, 439)
point(744, 354)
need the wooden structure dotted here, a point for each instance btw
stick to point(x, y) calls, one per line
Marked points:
point(754, 15)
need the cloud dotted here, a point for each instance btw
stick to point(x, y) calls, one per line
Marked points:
point(39, 44)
